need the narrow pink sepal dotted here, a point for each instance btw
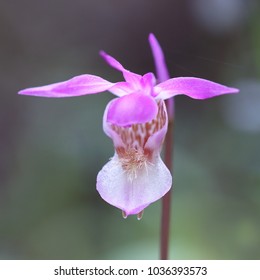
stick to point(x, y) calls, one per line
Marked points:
point(130, 77)
point(79, 85)
point(159, 60)
point(193, 87)
point(112, 61)
point(132, 109)
point(122, 88)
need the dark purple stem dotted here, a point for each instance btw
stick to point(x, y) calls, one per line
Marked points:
point(162, 75)
point(166, 200)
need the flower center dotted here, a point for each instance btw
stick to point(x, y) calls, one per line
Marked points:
point(133, 155)
point(133, 161)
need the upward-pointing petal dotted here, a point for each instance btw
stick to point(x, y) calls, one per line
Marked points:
point(112, 61)
point(130, 77)
point(79, 85)
point(160, 64)
point(193, 87)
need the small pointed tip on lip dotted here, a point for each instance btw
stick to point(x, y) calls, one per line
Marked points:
point(124, 214)
point(140, 215)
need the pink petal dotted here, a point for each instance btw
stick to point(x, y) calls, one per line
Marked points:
point(193, 87)
point(160, 65)
point(148, 82)
point(155, 141)
point(79, 85)
point(131, 109)
point(122, 88)
point(132, 196)
point(130, 77)
point(108, 129)
point(112, 61)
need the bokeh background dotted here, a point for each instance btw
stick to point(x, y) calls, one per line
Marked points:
point(52, 149)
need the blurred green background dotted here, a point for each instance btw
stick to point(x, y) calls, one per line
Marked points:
point(52, 149)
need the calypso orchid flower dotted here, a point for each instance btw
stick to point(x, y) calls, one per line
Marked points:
point(137, 123)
